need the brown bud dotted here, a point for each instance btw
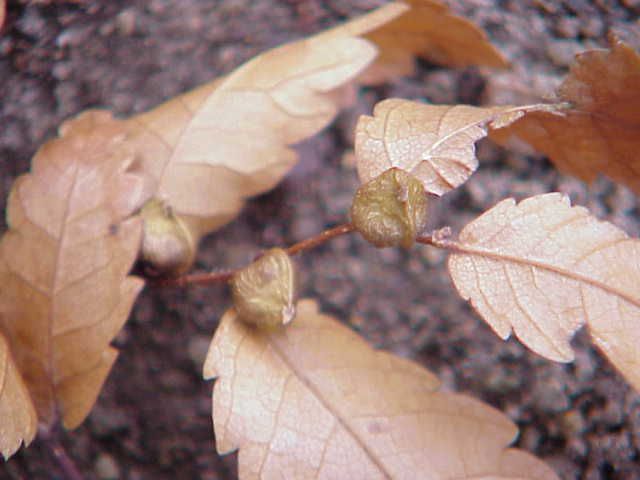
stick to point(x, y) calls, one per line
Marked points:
point(391, 209)
point(264, 292)
point(168, 248)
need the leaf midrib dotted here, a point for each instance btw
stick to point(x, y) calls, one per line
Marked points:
point(463, 249)
point(339, 418)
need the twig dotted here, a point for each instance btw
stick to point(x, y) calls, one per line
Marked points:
point(323, 237)
point(195, 279)
point(51, 438)
point(225, 276)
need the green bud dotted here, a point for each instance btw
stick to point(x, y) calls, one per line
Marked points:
point(264, 292)
point(167, 246)
point(391, 209)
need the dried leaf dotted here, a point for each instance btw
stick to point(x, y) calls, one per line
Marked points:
point(204, 152)
point(65, 258)
point(3, 12)
point(599, 132)
point(434, 143)
point(18, 415)
point(430, 31)
point(313, 400)
point(209, 151)
point(543, 269)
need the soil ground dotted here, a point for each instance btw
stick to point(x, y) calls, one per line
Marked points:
point(152, 419)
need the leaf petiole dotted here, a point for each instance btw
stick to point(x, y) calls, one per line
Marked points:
point(441, 238)
point(50, 436)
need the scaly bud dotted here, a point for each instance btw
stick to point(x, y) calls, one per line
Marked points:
point(391, 209)
point(264, 292)
point(167, 246)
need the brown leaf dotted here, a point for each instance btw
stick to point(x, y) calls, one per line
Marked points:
point(430, 31)
point(543, 269)
point(208, 151)
point(205, 152)
point(65, 258)
point(599, 132)
point(434, 143)
point(313, 400)
point(3, 12)
point(18, 415)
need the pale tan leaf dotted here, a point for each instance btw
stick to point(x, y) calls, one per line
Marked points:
point(599, 131)
point(428, 30)
point(154, 134)
point(434, 143)
point(206, 152)
point(18, 420)
point(313, 400)
point(210, 151)
point(3, 12)
point(65, 259)
point(543, 268)
point(203, 153)
point(78, 393)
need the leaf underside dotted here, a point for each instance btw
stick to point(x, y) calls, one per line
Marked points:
point(543, 268)
point(430, 31)
point(599, 132)
point(63, 267)
point(19, 421)
point(434, 143)
point(206, 152)
point(313, 400)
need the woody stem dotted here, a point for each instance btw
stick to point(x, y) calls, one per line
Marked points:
point(225, 276)
point(51, 438)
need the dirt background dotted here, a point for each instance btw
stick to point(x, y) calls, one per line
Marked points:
point(153, 418)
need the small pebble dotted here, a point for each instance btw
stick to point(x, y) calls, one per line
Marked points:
point(126, 22)
point(573, 423)
point(563, 52)
point(197, 349)
point(105, 422)
point(106, 467)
